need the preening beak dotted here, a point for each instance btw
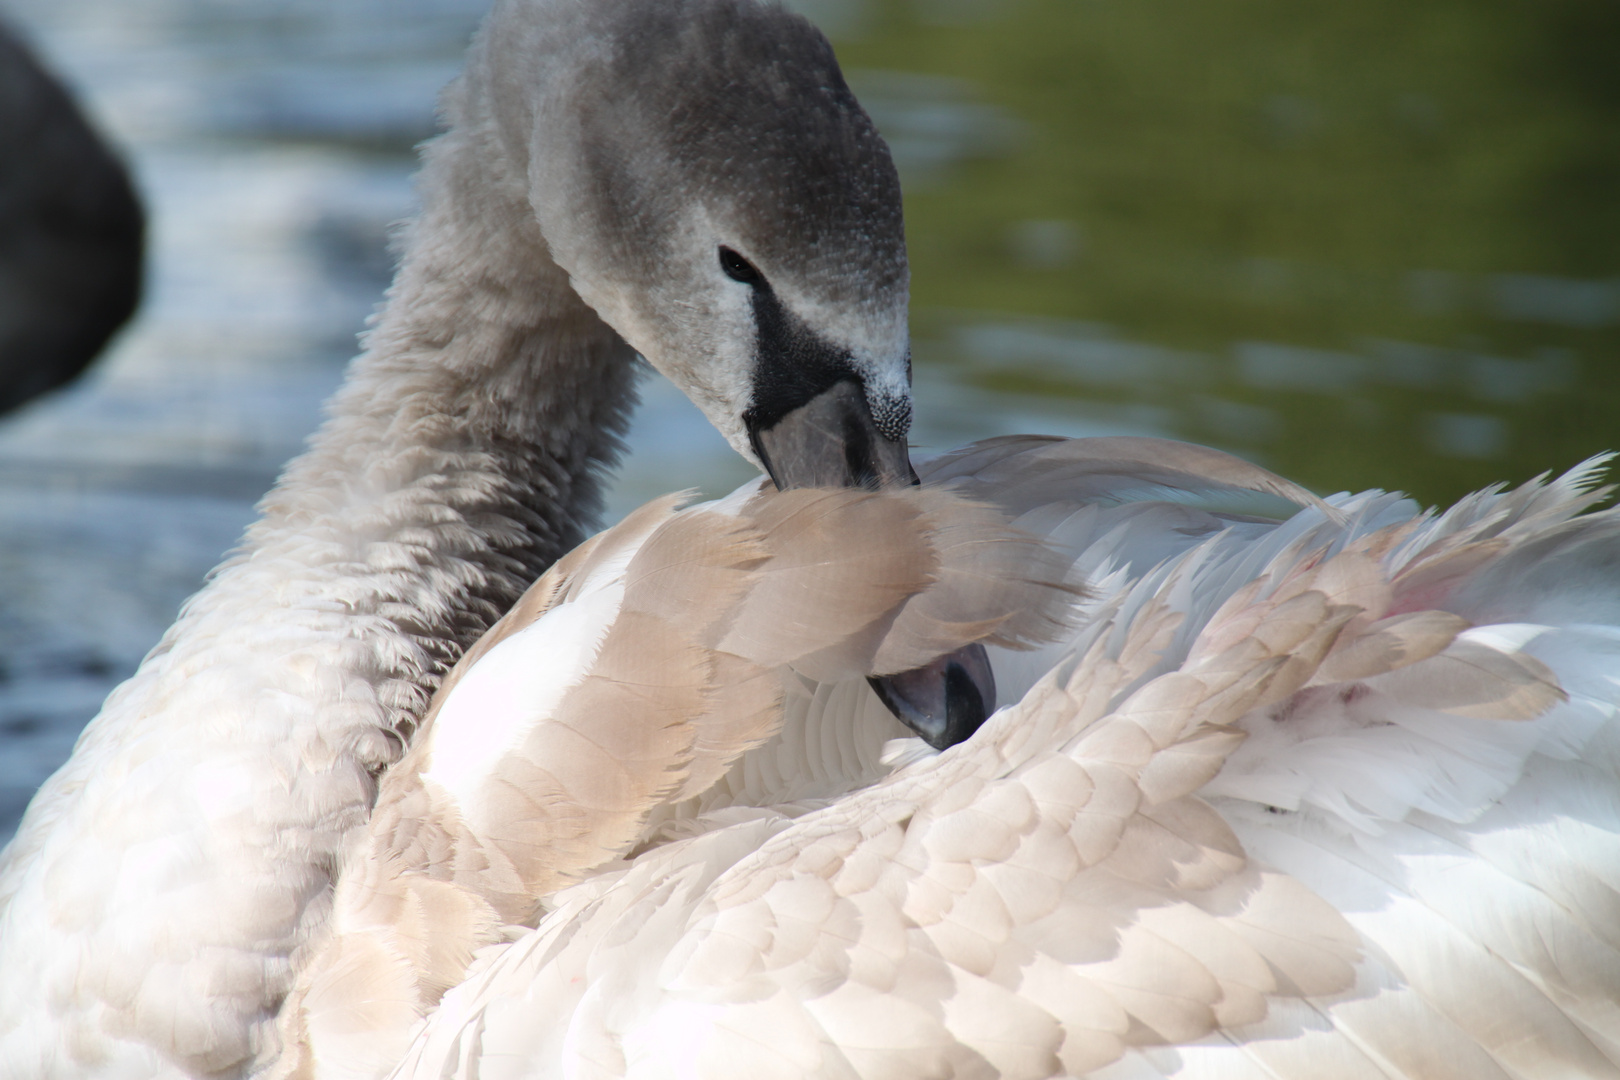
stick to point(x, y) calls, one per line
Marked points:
point(946, 701)
point(832, 441)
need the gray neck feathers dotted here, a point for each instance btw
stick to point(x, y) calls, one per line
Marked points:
point(466, 450)
point(462, 456)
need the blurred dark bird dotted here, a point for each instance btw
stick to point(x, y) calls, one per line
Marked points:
point(71, 233)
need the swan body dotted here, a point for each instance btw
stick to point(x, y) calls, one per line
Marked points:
point(1331, 796)
point(1334, 793)
point(630, 677)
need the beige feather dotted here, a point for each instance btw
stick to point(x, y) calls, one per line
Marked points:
point(994, 585)
point(1391, 643)
point(1472, 679)
point(1018, 472)
point(1428, 581)
point(839, 562)
point(552, 586)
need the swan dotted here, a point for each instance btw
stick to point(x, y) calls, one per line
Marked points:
point(1327, 795)
point(558, 741)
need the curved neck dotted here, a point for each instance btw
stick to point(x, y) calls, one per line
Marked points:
point(479, 422)
point(463, 454)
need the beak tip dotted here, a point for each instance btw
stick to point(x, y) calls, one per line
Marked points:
point(944, 702)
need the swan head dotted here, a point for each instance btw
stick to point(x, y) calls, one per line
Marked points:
point(716, 193)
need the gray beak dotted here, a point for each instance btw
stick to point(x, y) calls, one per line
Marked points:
point(832, 441)
point(946, 701)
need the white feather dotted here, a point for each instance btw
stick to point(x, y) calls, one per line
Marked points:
point(514, 686)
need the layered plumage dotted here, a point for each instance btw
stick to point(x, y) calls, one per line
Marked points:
point(1334, 796)
point(629, 678)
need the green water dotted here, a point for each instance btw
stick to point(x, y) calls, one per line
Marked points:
point(1371, 244)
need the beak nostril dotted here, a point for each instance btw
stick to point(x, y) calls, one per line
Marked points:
point(858, 456)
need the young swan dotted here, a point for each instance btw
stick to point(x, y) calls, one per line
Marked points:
point(584, 731)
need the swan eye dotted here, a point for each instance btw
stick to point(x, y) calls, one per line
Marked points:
point(738, 268)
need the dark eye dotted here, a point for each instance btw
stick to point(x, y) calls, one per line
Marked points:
point(738, 268)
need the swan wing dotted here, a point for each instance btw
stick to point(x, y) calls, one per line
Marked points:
point(1031, 903)
point(1018, 472)
point(1338, 799)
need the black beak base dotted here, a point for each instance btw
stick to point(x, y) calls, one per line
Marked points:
point(832, 441)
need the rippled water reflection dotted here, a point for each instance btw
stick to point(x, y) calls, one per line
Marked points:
point(1373, 244)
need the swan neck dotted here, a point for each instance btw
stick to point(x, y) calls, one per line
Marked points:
point(464, 453)
point(488, 393)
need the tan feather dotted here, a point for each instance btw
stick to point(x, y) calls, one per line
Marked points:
point(1472, 679)
point(1189, 763)
point(839, 562)
point(1019, 471)
point(995, 585)
point(743, 709)
point(1430, 579)
point(553, 585)
point(694, 570)
point(1391, 643)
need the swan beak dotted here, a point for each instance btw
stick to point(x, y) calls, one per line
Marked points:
point(946, 701)
point(832, 441)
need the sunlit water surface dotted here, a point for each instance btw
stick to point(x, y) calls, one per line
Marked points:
point(1366, 245)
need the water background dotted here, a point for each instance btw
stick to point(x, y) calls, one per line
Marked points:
point(1365, 245)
